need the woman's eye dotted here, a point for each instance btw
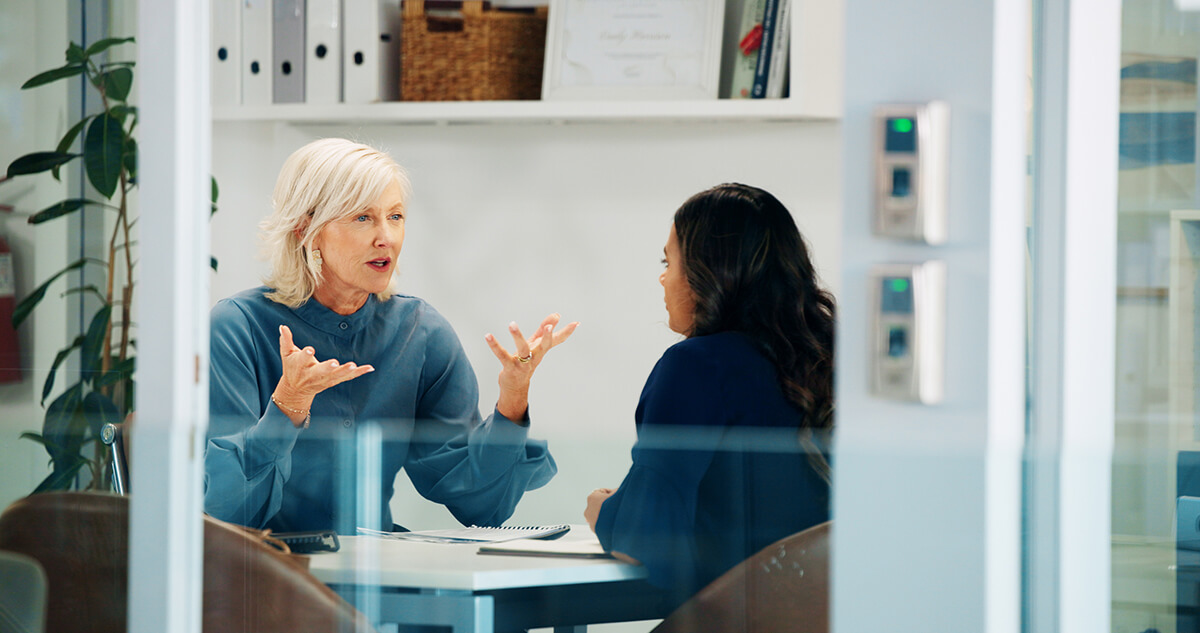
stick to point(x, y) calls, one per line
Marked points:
point(397, 216)
point(362, 218)
point(664, 262)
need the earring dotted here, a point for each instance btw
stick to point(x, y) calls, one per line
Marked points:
point(316, 260)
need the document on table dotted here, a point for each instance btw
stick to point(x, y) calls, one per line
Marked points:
point(589, 548)
point(473, 534)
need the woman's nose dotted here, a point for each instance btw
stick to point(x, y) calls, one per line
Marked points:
point(386, 236)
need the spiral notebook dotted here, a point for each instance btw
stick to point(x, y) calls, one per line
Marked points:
point(474, 534)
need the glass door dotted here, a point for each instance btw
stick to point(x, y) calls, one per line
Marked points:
point(1156, 457)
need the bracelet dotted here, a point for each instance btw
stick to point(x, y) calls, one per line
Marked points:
point(306, 412)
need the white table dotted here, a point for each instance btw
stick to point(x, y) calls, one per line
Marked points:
point(451, 585)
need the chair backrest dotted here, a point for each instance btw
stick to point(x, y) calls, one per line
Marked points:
point(22, 594)
point(82, 542)
point(114, 436)
point(782, 588)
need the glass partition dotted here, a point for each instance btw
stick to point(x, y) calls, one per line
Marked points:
point(1156, 461)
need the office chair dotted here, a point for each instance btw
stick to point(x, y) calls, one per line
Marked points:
point(82, 542)
point(782, 588)
point(22, 594)
point(113, 435)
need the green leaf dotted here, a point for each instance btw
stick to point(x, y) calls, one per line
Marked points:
point(38, 162)
point(68, 139)
point(105, 44)
point(99, 410)
point(129, 158)
point(63, 426)
point(75, 54)
point(93, 342)
point(30, 302)
point(102, 149)
point(212, 262)
point(51, 76)
point(107, 65)
point(215, 191)
point(123, 111)
point(62, 208)
point(121, 370)
point(117, 83)
point(63, 477)
point(48, 386)
point(89, 288)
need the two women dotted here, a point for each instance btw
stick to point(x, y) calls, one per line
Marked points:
point(733, 421)
point(324, 383)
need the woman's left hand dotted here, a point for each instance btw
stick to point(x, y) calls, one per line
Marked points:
point(516, 369)
point(596, 499)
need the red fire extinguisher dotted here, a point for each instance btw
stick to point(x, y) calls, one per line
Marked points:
point(10, 355)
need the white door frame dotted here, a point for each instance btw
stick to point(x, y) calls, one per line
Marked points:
point(1077, 48)
point(166, 529)
point(928, 499)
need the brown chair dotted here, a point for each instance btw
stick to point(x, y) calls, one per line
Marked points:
point(81, 539)
point(783, 588)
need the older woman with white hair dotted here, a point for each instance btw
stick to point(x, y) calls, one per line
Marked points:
point(325, 384)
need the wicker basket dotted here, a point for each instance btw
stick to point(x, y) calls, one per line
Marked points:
point(482, 56)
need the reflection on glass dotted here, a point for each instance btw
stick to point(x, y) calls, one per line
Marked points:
point(1156, 463)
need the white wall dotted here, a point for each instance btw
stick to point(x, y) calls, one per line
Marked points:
point(927, 501)
point(33, 37)
point(514, 221)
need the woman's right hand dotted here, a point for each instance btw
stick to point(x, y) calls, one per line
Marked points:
point(304, 377)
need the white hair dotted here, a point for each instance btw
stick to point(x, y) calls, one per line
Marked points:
point(323, 181)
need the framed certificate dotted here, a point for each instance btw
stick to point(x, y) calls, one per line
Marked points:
point(633, 49)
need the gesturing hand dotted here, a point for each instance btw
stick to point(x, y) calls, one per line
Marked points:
point(516, 369)
point(304, 377)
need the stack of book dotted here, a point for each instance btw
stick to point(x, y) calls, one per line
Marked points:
point(760, 71)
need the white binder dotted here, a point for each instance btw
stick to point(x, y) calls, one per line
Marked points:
point(256, 52)
point(226, 52)
point(323, 55)
point(287, 36)
point(371, 57)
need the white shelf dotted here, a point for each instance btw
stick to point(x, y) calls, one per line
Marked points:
point(445, 112)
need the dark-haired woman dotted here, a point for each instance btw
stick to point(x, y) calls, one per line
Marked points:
point(733, 421)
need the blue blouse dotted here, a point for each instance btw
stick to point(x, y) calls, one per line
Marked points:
point(718, 471)
point(418, 410)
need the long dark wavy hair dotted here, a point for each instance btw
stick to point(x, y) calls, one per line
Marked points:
point(749, 271)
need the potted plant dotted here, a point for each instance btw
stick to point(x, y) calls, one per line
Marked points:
point(102, 392)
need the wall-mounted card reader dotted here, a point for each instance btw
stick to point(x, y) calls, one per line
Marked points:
point(908, 331)
point(911, 155)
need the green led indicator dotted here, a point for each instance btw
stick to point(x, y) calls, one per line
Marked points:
point(899, 285)
point(903, 126)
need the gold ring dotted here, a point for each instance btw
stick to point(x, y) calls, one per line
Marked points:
point(526, 359)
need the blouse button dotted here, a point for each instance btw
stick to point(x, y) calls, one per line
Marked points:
point(343, 325)
point(347, 423)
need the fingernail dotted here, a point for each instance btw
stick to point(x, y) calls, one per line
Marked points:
point(350, 365)
point(335, 363)
point(370, 369)
point(281, 329)
point(513, 326)
point(487, 337)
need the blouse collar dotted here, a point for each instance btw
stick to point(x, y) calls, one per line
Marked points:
point(330, 322)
